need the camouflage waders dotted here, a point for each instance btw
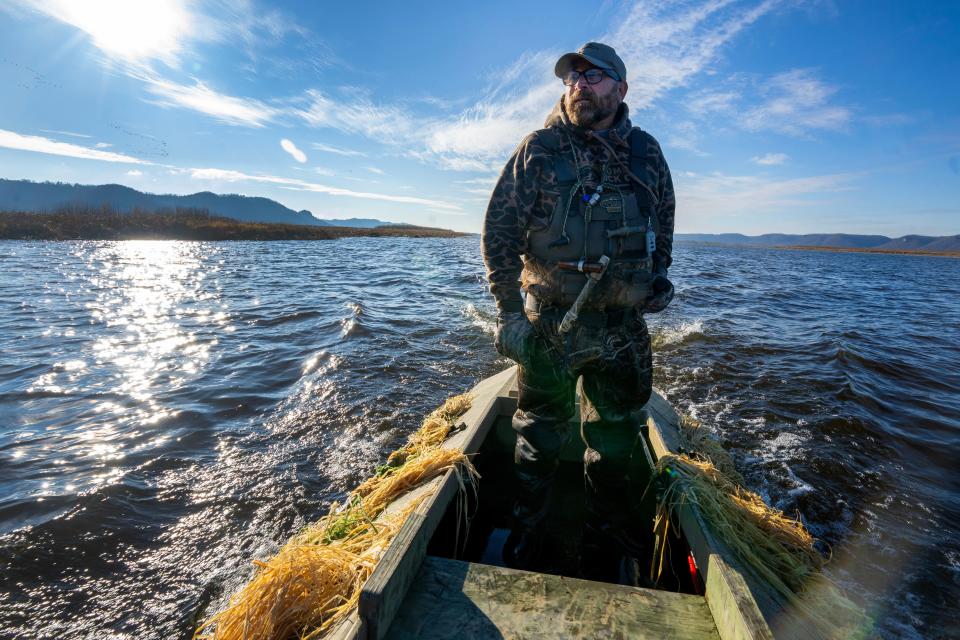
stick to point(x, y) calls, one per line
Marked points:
point(611, 358)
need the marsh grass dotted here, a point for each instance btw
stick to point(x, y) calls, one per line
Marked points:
point(776, 547)
point(315, 580)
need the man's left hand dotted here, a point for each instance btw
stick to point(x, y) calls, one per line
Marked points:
point(662, 293)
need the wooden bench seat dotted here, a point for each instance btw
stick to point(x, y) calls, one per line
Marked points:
point(468, 601)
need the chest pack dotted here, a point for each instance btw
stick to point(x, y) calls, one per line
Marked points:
point(592, 218)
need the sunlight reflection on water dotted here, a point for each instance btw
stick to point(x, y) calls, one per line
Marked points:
point(154, 312)
point(147, 289)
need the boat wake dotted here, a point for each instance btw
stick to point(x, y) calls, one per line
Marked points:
point(665, 336)
point(480, 318)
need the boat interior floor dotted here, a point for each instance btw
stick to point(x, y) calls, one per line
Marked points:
point(476, 527)
point(463, 590)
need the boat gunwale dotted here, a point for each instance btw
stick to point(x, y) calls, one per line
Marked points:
point(730, 591)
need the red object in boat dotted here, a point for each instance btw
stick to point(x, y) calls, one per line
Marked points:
point(694, 574)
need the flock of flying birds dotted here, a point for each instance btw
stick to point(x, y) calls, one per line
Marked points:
point(28, 78)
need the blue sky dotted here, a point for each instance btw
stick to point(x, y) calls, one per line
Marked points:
point(775, 116)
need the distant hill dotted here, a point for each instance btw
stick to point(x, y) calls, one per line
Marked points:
point(835, 240)
point(25, 195)
point(944, 243)
point(925, 243)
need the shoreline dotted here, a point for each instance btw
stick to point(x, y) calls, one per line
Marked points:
point(185, 225)
point(791, 247)
point(901, 252)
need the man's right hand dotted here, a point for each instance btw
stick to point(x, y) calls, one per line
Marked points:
point(514, 335)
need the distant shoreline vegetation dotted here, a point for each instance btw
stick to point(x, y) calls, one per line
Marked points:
point(904, 252)
point(800, 247)
point(83, 222)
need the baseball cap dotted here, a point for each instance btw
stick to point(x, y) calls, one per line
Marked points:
point(596, 53)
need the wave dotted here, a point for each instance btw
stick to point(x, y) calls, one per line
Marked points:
point(677, 335)
point(297, 316)
point(352, 326)
point(483, 320)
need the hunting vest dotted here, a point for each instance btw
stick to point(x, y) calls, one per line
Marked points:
point(611, 219)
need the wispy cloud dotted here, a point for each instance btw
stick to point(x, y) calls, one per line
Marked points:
point(701, 200)
point(706, 102)
point(770, 159)
point(134, 173)
point(229, 175)
point(685, 135)
point(440, 103)
point(257, 27)
point(794, 103)
point(39, 144)
point(481, 136)
point(357, 114)
point(199, 97)
point(489, 181)
point(66, 133)
point(663, 47)
point(291, 148)
point(275, 44)
point(319, 146)
point(455, 162)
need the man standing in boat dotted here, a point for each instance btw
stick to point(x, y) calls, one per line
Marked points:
point(581, 220)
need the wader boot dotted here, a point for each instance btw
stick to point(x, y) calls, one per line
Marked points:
point(535, 475)
point(542, 423)
point(617, 468)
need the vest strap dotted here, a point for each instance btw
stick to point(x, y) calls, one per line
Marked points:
point(638, 165)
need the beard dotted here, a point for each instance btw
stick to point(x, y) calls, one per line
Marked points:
point(586, 109)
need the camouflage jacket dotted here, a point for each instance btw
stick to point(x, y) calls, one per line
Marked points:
point(526, 193)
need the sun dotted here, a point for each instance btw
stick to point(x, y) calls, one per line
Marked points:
point(136, 30)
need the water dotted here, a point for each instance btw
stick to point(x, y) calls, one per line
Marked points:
point(171, 410)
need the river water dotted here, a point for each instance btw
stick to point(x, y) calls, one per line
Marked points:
point(171, 410)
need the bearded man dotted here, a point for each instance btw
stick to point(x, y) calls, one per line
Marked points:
point(584, 212)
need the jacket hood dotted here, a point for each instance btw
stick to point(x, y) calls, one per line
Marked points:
point(620, 130)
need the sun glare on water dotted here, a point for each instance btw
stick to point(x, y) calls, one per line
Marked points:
point(133, 29)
